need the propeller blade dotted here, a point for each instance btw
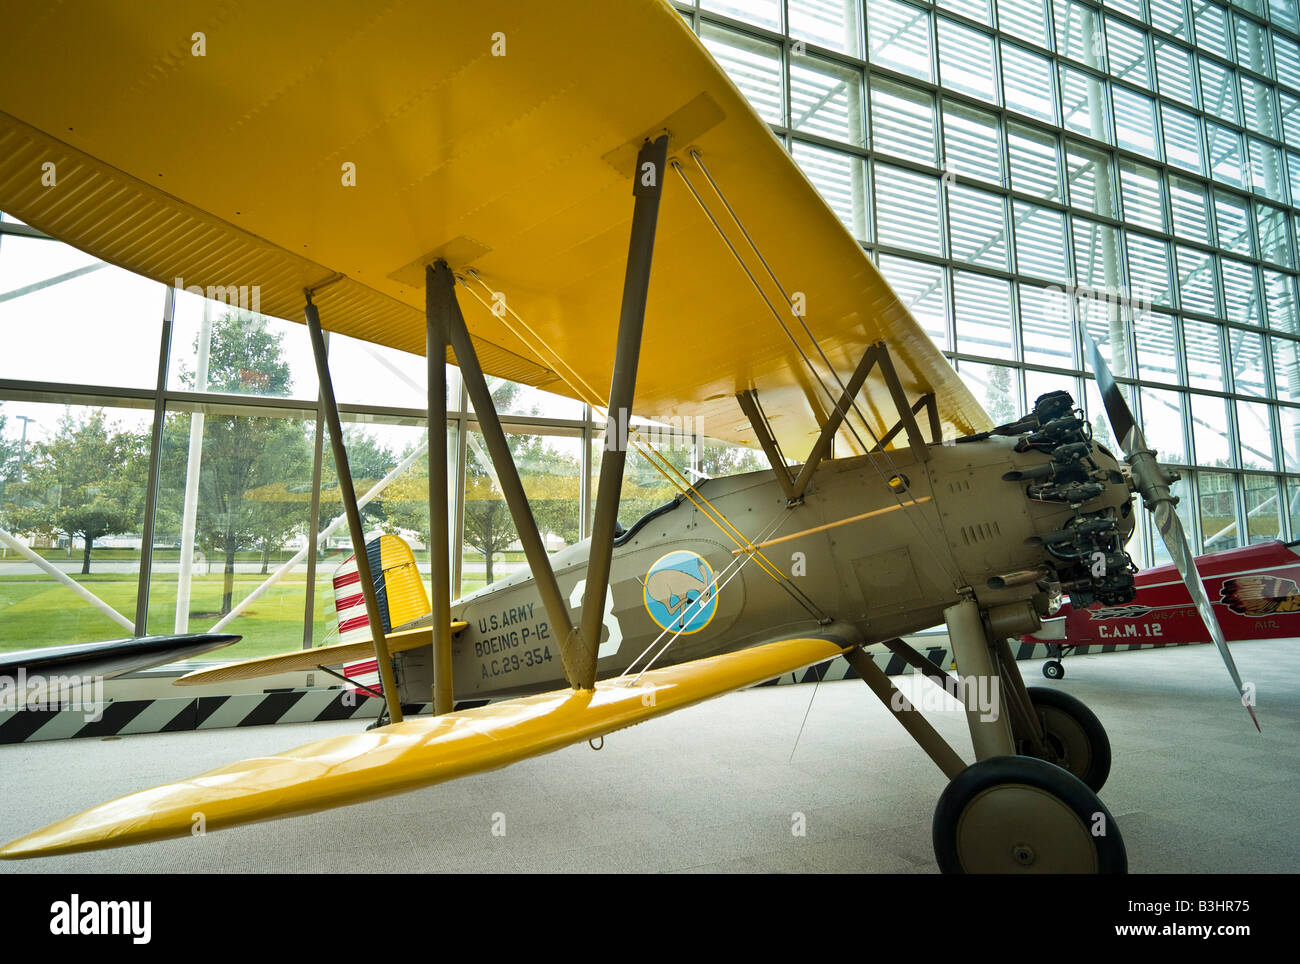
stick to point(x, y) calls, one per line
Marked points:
point(1171, 530)
point(1154, 488)
point(1122, 422)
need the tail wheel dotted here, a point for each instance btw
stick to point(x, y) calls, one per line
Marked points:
point(1054, 669)
point(1073, 737)
point(1019, 815)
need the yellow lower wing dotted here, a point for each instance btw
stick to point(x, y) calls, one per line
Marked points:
point(306, 659)
point(413, 754)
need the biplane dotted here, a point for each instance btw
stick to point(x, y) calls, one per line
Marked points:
point(590, 206)
point(1254, 591)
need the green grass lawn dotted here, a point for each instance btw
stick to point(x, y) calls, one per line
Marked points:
point(36, 611)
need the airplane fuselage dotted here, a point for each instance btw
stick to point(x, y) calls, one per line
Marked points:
point(854, 553)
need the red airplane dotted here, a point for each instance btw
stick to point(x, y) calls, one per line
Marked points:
point(1253, 590)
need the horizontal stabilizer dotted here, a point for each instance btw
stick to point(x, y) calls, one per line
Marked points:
point(308, 659)
point(412, 754)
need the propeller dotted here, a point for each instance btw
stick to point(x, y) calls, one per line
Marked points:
point(1152, 481)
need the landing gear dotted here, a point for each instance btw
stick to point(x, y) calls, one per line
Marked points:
point(1073, 738)
point(1017, 815)
point(1053, 669)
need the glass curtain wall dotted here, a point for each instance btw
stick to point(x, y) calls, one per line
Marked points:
point(1019, 167)
point(1015, 168)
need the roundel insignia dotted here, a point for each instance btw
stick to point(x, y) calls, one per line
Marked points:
point(679, 592)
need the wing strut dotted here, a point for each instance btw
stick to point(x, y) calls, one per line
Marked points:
point(349, 496)
point(442, 295)
point(647, 187)
point(439, 299)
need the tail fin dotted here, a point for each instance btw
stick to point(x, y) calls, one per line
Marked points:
point(400, 592)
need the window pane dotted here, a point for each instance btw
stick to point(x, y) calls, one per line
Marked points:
point(1197, 290)
point(550, 469)
point(1241, 303)
point(1182, 139)
point(1286, 368)
point(907, 210)
point(1026, 19)
point(764, 13)
point(235, 491)
point(996, 387)
point(1040, 242)
point(966, 61)
point(841, 180)
point(1279, 290)
point(1096, 255)
point(105, 322)
point(1027, 83)
point(1210, 430)
point(1143, 202)
point(1263, 518)
point(1174, 72)
point(977, 226)
point(1259, 109)
point(1078, 32)
point(833, 25)
point(982, 307)
point(1127, 49)
point(1247, 353)
point(1045, 326)
point(1169, 16)
point(1148, 269)
point(1163, 422)
point(1157, 347)
point(826, 100)
point(1255, 431)
point(1083, 103)
point(1290, 420)
point(1090, 180)
point(1226, 158)
point(753, 65)
point(1034, 167)
point(898, 36)
point(1190, 206)
point(1135, 122)
point(902, 121)
point(1218, 508)
point(1218, 90)
point(1212, 29)
point(1252, 45)
point(1204, 354)
point(75, 498)
point(922, 289)
point(972, 143)
point(1234, 224)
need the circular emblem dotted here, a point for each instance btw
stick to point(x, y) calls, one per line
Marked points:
point(679, 592)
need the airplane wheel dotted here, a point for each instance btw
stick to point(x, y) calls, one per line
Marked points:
point(1076, 740)
point(1053, 669)
point(1019, 815)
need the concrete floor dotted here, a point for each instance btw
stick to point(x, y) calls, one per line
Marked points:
point(1193, 787)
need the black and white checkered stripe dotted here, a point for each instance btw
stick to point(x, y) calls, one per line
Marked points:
point(126, 717)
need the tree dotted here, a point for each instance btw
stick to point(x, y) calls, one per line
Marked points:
point(9, 456)
point(249, 462)
point(1000, 400)
point(87, 481)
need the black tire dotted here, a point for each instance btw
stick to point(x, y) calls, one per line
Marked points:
point(1053, 669)
point(1015, 814)
point(1076, 740)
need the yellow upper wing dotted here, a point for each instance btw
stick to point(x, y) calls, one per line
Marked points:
point(499, 135)
point(412, 754)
